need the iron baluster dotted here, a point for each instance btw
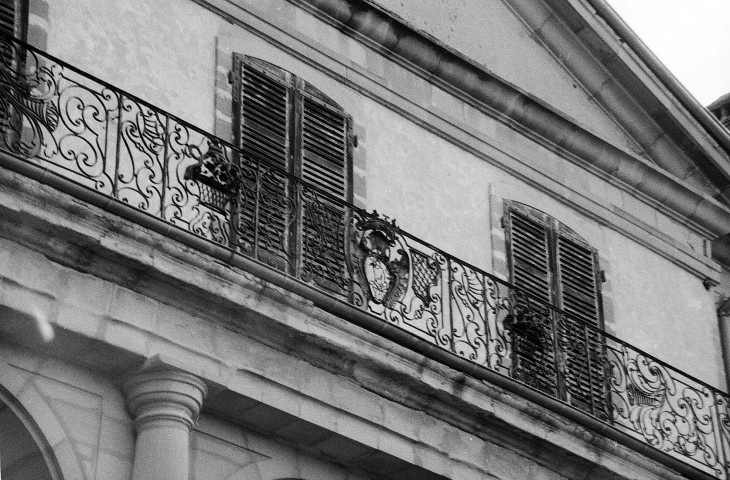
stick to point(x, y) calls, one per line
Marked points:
point(722, 446)
point(257, 206)
point(451, 301)
point(589, 369)
point(165, 165)
point(558, 356)
point(119, 146)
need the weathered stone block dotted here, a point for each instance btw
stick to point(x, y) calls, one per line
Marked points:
point(79, 320)
point(127, 337)
point(133, 308)
point(87, 291)
point(184, 329)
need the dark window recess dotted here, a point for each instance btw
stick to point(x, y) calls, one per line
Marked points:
point(282, 121)
point(555, 353)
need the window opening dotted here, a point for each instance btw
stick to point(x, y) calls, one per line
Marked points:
point(284, 122)
point(551, 265)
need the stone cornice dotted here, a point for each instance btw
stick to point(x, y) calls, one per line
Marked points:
point(433, 59)
point(708, 122)
point(609, 71)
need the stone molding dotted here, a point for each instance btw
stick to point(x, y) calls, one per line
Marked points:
point(662, 130)
point(699, 112)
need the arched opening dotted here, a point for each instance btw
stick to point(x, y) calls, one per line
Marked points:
point(24, 452)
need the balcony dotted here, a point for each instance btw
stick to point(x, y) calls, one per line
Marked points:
point(90, 139)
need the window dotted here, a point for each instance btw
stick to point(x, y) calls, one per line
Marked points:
point(551, 264)
point(284, 122)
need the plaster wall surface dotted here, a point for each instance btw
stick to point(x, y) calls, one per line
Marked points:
point(161, 51)
point(434, 190)
point(166, 52)
point(109, 35)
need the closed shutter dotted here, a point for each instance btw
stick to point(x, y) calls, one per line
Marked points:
point(264, 98)
point(286, 123)
point(530, 256)
point(533, 348)
point(578, 296)
point(550, 264)
point(7, 17)
point(325, 158)
point(264, 112)
point(577, 273)
point(324, 147)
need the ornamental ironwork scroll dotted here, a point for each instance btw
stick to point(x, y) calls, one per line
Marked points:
point(82, 129)
point(668, 410)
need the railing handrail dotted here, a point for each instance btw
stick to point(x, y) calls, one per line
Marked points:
point(331, 198)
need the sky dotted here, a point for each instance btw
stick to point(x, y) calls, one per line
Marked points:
point(690, 37)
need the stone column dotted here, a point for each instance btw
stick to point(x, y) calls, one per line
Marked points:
point(164, 403)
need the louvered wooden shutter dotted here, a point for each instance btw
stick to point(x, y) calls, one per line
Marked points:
point(324, 147)
point(265, 125)
point(285, 122)
point(533, 348)
point(578, 286)
point(263, 95)
point(530, 256)
point(579, 297)
point(551, 265)
point(324, 165)
point(7, 17)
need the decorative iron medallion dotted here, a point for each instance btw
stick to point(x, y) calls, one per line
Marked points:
point(379, 261)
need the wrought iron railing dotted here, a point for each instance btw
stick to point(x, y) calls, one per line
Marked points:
point(69, 123)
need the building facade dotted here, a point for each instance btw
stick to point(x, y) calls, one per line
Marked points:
point(299, 239)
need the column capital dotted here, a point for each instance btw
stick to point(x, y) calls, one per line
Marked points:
point(164, 395)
